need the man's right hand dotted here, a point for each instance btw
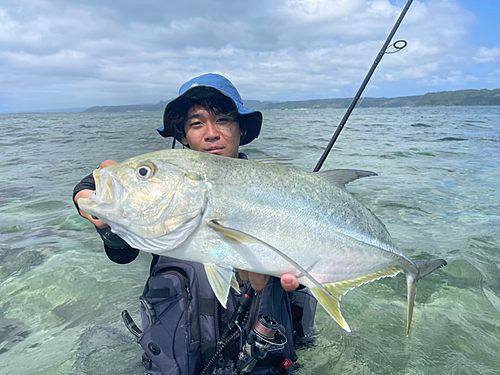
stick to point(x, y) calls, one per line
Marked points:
point(87, 193)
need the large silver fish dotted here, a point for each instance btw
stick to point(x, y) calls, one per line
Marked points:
point(239, 214)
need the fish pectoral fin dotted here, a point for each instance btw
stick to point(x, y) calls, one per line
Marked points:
point(339, 288)
point(220, 279)
point(308, 269)
point(233, 233)
point(329, 301)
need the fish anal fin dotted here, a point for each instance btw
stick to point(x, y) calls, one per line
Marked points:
point(339, 288)
point(220, 279)
point(331, 305)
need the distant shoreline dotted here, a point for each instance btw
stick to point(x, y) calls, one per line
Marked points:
point(482, 97)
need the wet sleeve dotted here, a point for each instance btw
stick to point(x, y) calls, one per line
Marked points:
point(116, 248)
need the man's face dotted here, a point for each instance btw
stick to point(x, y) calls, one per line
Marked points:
point(215, 134)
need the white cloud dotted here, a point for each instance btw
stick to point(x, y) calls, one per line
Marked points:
point(103, 52)
point(454, 78)
point(486, 55)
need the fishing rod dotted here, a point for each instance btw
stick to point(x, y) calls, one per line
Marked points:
point(398, 46)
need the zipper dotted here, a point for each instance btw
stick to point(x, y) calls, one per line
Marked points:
point(183, 276)
point(186, 291)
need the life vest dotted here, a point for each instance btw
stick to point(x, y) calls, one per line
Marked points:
point(182, 320)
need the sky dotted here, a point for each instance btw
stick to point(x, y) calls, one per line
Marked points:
point(57, 54)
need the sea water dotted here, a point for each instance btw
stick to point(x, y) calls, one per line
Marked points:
point(437, 191)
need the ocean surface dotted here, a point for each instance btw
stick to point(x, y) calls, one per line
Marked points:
point(438, 192)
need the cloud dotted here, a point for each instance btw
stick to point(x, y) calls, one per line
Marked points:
point(454, 78)
point(59, 54)
point(487, 55)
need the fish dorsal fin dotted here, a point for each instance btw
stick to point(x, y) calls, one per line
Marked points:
point(282, 162)
point(341, 177)
point(339, 288)
point(243, 237)
point(220, 279)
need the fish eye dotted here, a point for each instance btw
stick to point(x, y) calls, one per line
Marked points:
point(145, 171)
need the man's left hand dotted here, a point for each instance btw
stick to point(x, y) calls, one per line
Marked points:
point(288, 281)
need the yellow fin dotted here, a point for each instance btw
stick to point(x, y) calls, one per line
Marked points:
point(331, 305)
point(235, 285)
point(245, 237)
point(412, 291)
point(220, 280)
point(339, 288)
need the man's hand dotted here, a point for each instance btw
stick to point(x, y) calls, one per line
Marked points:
point(87, 193)
point(288, 281)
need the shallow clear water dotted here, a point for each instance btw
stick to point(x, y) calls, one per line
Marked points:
point(437, 192)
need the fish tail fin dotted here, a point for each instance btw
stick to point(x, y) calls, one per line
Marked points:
point(331, 305)
point(424, 268)
point(411, 282)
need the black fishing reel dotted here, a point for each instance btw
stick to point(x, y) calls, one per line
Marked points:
point(266, 335)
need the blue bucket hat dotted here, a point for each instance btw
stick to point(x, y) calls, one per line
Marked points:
point(211, 86)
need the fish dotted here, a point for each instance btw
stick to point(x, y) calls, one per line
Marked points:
point(234, 214)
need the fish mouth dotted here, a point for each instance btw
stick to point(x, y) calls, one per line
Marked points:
point(103, 199)
point(108, 189)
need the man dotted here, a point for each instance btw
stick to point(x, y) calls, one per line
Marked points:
point(207, 116)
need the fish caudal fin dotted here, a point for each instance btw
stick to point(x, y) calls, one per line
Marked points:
point(330, 301)
point(424, 267)
point(411, 283)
